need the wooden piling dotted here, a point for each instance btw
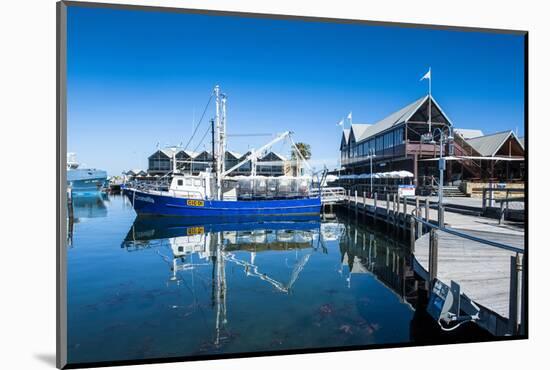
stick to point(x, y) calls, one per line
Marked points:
point(388, 208)
point(394, 216)
point(412, 230)
point(515, 302)
point(375, 206)
point(418, 214)
point(427, 216)
point(432, 263)
point(403, 225)
point(356, 203)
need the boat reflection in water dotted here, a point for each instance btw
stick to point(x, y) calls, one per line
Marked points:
point(219, 242)
point(199, 288)
point(81, 208)
point(239, 246)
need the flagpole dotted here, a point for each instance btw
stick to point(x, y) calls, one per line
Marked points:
point(430, 101)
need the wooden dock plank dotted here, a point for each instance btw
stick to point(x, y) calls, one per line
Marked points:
point(482, 271)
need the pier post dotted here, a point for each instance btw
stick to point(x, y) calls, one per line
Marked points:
point(419, 215)
point(427, 215)
point(387, 208)
point(394, 209)
point(515, 304)
point(522, 295)
point(441, 216)
point(502, 213)
point(404, 212)
point(432, 262)
point(356, 203)
point(365, 202)
point(397, 209)
point(412, 228)
point(375, 206)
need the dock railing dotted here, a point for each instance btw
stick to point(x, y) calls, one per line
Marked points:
point(516, 303)
point(502, 204)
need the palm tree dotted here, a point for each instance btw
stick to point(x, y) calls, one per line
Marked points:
point(305, 151)
point(303, 148)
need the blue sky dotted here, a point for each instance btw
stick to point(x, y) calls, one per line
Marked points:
point(136, 78)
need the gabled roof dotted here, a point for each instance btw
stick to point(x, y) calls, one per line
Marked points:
point(267, 155)
point(403, 115)
point(233, 154)
point(489, 145)
point(168, 152)
point(189, 153)
point(345, 137)
point(468, 133)
point(357, 130)
point(203, 154)
point(522, 142)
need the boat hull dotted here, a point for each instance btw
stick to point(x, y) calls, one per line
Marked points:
point(145, 203)
point(86, 181)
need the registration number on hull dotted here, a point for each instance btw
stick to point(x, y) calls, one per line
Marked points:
point(195, 203)
point(197, 230)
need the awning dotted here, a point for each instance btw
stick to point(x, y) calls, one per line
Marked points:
point(451, 158)
point(379, 175)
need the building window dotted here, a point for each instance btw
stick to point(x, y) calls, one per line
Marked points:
point(379, 144)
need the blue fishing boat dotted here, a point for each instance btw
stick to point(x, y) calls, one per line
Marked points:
point(217, 194)
point(165, 203)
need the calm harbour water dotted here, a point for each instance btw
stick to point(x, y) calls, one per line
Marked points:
point(149, 288)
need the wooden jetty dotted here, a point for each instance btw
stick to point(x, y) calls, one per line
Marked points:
point(466, 250)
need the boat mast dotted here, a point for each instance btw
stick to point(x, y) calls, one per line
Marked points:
point(219, 156)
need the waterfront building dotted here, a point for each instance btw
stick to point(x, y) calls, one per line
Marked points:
point(398, 142)
point(135, 174)
point(161, 162)
point(271, 164)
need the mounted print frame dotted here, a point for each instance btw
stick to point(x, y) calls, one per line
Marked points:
point(236, 184)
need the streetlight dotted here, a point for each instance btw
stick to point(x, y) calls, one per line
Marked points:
point(371, 156)
point(442, 139)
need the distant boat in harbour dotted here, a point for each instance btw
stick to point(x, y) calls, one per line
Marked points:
point(82, 181)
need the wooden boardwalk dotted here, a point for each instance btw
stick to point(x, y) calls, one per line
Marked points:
point(483, 271)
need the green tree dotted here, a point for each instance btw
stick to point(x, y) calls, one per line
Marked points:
point(303, 148)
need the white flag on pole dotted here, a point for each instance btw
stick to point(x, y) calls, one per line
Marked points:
point(349, 116)
point(427, 76)
point(341, 123)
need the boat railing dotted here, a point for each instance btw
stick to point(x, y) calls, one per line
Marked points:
point(329, 194)
point(164, 189)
